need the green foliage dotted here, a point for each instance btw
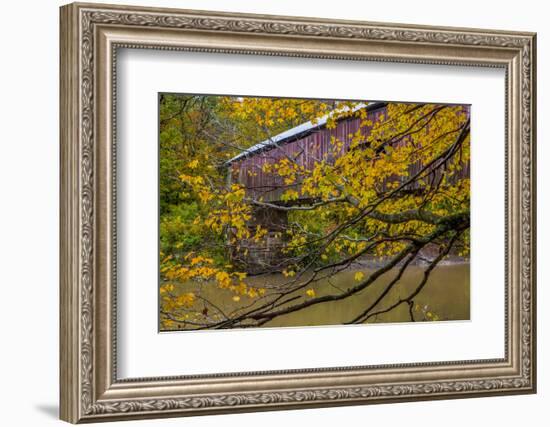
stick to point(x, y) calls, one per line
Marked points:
point(177, 231)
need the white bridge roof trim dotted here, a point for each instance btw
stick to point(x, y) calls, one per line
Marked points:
point(297, 130)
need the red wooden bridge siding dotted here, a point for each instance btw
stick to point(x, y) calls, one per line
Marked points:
point(306, 150)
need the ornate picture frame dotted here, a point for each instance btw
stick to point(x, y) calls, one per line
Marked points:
point(90, 37)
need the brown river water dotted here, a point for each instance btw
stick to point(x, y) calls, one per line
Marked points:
point(446, 296)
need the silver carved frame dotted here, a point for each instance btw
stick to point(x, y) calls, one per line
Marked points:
point(90, 36)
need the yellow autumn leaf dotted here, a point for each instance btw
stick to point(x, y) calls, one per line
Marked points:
point(240, 275)
point(186, 299)
point(310, 293)
point(289, 273)
point(166, 288)
point(359, 276)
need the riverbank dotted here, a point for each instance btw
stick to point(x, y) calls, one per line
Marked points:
point(420, 261)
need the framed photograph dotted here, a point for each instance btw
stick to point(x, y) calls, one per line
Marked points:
point(266, 212)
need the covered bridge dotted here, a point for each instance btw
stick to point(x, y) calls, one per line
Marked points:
point(305, 144)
